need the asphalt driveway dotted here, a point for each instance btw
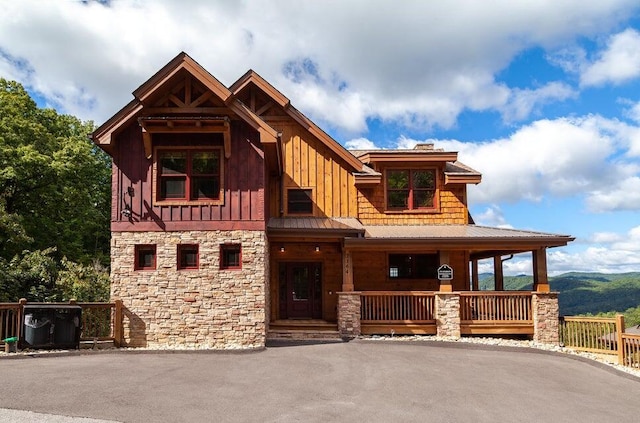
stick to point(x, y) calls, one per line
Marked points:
point(359, 381)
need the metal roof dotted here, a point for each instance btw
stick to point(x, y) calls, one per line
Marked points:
point(348, 224)
point(451, 231)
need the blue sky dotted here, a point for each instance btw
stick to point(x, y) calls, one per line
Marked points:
point(542, 97)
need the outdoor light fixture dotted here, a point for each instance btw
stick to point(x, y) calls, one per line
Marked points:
point(317, 248)
point(127, 211)
point(282, 249)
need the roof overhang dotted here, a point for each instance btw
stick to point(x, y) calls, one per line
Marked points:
point(314, 227)
point(408, 157)
point(480, 241)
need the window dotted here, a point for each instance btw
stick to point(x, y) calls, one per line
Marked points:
point(411, 189)
point(299, 201)
point(413, 266)
point(187, 256)
point(230, 257)
point(145, 257)
point(189, 175)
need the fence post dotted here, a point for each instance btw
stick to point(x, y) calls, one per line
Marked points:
point(117, 324)
point(619, 341)
point(19, 323)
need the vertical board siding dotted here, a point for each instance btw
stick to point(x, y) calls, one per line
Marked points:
point(308, 163)
point(243, 182)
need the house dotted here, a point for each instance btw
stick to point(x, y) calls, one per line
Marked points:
point(235, 217)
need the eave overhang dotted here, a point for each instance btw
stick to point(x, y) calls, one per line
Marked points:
point(405, 157)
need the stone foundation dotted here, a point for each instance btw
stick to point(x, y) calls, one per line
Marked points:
point(546, 313)
point(448, 314)
point(349, 314)
point(205, 308)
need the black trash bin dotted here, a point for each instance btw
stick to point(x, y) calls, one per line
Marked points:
point(52, 326)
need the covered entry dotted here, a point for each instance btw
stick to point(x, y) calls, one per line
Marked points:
point(300, 290)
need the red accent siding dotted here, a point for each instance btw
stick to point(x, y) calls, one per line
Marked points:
point(244, 184)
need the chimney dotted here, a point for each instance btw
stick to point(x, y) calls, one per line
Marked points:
point(425, 146)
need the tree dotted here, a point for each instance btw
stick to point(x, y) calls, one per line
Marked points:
point(54, 183)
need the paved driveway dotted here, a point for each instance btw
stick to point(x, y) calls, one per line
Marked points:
point(358, 381)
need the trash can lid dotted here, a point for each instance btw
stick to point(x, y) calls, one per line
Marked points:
point(52, 307)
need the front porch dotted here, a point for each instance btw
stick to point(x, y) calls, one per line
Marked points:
point(449, 314)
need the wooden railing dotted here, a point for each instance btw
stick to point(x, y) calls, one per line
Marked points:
point(593, 334)
point(496, 313)
point(9, 321)
point(629, 354)
point(100, 321)
point(407, 312)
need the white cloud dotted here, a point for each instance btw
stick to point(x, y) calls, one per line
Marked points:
point(523, 101)
point(562, 157)
point(618, 63)
point(492, 216)
point(419, 65)
point(360, 144)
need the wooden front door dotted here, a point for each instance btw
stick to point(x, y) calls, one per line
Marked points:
point(303, 290)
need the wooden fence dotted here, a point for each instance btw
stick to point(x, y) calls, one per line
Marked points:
point(406, 312)
point(100, 321)
point(486, 313)
point(601, 335)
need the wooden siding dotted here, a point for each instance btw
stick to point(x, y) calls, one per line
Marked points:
point(370, 273)
point(243, 186)
point(309, 164)
point(451, 200)
point(331, 258)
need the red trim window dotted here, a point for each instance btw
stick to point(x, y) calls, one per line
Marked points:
point(409, 189)
point(188, 257)
point(190, 175)
point(230, 256)
point(145, 257)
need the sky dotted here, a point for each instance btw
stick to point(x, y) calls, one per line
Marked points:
point(541, 96)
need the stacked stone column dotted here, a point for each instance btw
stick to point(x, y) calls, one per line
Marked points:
point(349, 314)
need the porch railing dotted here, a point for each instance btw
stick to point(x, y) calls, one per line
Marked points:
point(592, 334)
point(100, 321)
point(397, 312)
point(496, 313)
point(9, 321)
point(630, 351)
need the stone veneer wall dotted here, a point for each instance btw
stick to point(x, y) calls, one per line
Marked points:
point(349, 314)
point(203, 308)
point(448, 314)
point(546, 313)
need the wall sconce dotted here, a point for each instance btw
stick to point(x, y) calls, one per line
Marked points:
point(127, 211)
point(317, 248)
point(282, 248)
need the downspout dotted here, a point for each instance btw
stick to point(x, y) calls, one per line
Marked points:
point(280, 172)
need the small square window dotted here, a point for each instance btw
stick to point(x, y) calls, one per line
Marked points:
point(299, 201)
point(230, 257)
point(145, 257)
point(188, 256)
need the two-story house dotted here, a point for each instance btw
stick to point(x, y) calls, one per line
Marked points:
point(236, 218)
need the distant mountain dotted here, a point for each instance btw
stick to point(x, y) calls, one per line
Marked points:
point(581, 293)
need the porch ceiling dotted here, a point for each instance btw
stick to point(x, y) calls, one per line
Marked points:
point(476, 239)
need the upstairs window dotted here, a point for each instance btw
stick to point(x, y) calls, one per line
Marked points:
point(230, 257)
point(299, 201)
point(413, 266)
point(188, 256)
point(189, 175)
point(409, 189)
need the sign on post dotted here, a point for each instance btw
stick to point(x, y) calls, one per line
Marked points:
point(445, 273)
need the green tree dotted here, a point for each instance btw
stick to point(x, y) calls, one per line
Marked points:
point(54, 182)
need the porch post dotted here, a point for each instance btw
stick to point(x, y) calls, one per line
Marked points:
point(540, 278)
point(448, 314)
point(347, 271)
point(445, 286)
point(474, 275)
point(349, 314)
point(498, 274)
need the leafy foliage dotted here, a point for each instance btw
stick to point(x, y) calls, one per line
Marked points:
point(54, 202)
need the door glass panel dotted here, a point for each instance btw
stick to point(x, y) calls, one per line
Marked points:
point(300, 283)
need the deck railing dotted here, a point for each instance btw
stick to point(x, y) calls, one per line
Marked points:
point(9, 318)
point(630, 351)
point(100, 321)
point(592, 334)
point(397, 307)
point(485, 313)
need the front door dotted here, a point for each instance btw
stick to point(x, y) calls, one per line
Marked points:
point(303, 288)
